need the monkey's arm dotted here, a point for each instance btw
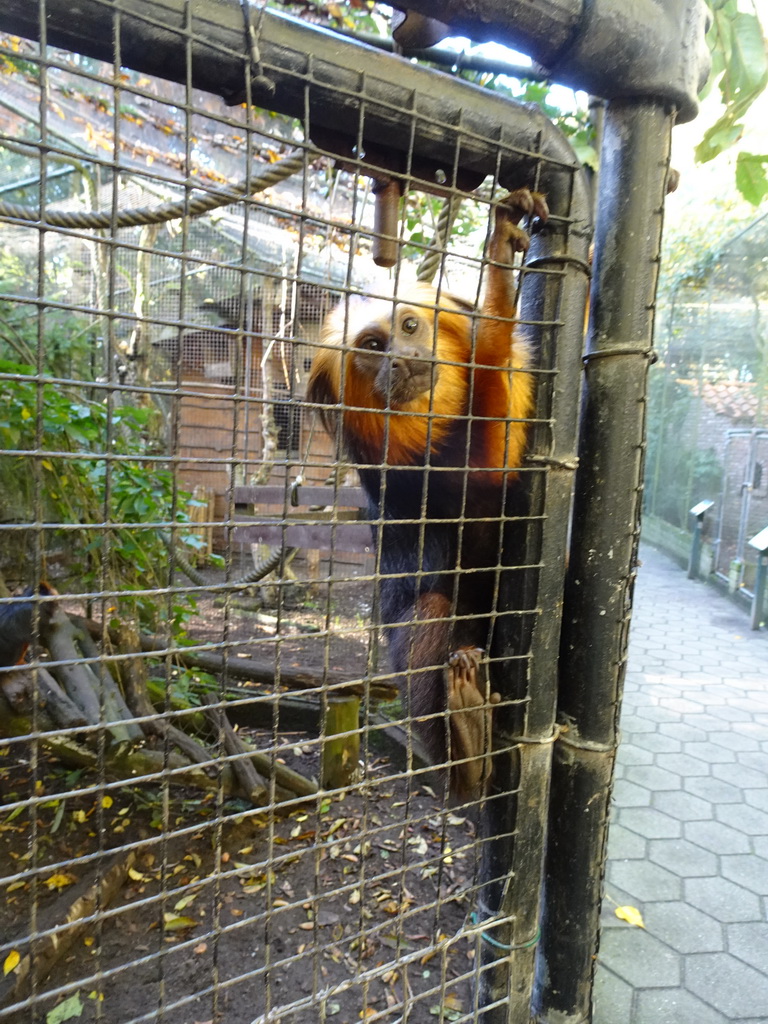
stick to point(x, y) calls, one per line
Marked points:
point(497, 393)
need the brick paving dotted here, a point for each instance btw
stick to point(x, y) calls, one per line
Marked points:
point(689, 835)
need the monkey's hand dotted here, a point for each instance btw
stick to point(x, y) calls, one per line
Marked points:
point(469, 702)
point(507, 231)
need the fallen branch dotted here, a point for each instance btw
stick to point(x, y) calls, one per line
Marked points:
point(245, 773)
point(51, 947)
point(267, 767)
point(133, 675)
point(130, 765)
point(18, 687)
point(93, 690)
point(258, 670)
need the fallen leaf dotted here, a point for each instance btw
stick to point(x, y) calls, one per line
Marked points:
point(11, 962)
point(59, 881)
point(631, 915)
point(175, 922)
point(185, 901)
point(71, 1007)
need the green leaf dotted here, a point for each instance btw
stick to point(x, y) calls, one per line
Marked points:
point(748, 67)
point(72, 1007)
point(718, 138)
point(751, 177)
point(6, 366)
point(740, 62)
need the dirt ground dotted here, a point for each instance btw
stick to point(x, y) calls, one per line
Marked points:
point(233, 914)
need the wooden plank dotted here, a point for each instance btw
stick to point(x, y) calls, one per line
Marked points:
point(299, 515)
point(269, 494)
point(345, 537)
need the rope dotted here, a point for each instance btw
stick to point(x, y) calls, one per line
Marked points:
point(275, 559)
point(143, 215)
point(430, 263)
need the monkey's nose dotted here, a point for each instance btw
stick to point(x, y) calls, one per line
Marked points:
point(410, 363)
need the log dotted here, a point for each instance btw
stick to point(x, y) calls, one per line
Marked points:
point(49, 949)
point(18, 688)
point(129, 765)
point(245, 773)
point(266, 767)
point(260, 670)
point(340, 750)
point(62, 710)
point(263, 671)
point(133, 674)
point(115, 707)
point(86, 687)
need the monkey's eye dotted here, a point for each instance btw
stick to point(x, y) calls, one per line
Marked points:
point(410, 325)
point(371, 342)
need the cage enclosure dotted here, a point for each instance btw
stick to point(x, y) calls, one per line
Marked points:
point(292, 461)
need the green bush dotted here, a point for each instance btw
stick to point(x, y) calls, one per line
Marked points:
point(111, 505)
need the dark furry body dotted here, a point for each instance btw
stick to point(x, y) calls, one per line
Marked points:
point(426, 605)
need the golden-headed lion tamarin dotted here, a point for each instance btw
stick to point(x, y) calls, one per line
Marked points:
point(432, 397)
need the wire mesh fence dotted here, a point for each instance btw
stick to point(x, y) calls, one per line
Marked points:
point(708, 393)
point(282, 535)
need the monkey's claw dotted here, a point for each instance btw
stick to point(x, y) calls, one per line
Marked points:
point(469, 702)
point(511, 210)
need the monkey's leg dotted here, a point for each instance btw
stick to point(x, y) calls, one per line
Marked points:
point(469, 702)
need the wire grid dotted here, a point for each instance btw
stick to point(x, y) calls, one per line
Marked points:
point(139, 369)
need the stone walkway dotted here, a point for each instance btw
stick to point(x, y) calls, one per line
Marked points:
point(689, 835)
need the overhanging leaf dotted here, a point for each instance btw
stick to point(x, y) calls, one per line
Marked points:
point(751, 178)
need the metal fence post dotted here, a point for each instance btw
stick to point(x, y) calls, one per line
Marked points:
point(601, 572)
point(694, 562)
point(760, 543)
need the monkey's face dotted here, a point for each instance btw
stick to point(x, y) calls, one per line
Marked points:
point(394, 352)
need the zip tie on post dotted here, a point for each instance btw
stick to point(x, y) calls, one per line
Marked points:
point(549, 460)
point(505, 947)
point(608, 353)
point(556, 732)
